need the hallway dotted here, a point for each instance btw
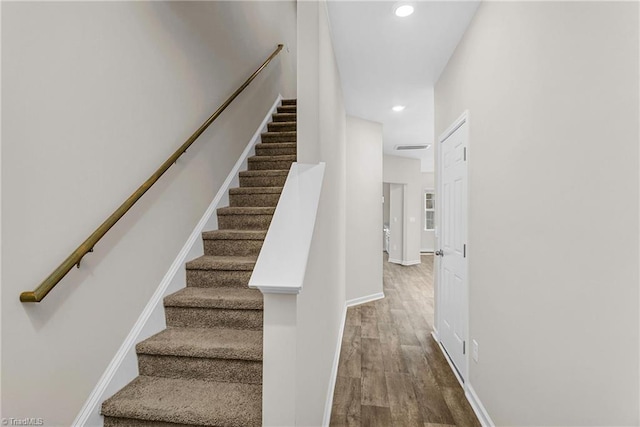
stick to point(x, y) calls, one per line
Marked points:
point(391, 371)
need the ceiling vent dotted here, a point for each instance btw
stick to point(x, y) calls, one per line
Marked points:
point(412, 147)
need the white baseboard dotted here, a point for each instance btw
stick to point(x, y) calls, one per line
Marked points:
point(395, 261)
point(124, 367)
point(364, 299)
point(414, 262)
point(478, 407)
point(326, 418)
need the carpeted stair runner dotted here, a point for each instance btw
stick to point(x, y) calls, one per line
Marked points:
point(205, 369)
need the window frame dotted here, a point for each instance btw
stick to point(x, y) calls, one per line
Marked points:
point(426, 210)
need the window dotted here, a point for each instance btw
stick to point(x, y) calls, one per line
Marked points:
point(429, 210)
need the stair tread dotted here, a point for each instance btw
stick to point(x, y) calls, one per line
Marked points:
point(235, 234)
point(255, 190)
point(285, 157)
point(216, 262)
point(216, 297)
point(190, 401)
point(292, 101)
point(269, 172)
point(244, 210)
point(219, 343)
point(283, 133)
point(274, 145)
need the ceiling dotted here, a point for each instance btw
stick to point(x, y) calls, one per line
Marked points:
point(385, 60)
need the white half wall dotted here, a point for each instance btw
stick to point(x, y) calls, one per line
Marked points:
point(552, 94)
point(321, 138)
point(404, 170)
point(95, 96)
point(364, 208)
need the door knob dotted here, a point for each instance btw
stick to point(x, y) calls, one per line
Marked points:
point(439, 253)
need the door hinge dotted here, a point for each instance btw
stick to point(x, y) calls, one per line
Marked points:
point(464, 250)
point(465, 154)
point(464, 347)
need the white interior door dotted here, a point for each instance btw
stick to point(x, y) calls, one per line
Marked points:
point(452, 286)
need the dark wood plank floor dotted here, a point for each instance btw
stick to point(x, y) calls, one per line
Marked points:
point(391, 371)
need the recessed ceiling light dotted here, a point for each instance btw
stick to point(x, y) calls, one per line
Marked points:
point(398, 108)
point(404, 10)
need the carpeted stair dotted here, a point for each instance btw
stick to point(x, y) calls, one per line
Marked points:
point(205, 369)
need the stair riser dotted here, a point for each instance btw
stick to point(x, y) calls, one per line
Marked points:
point(285, 117)
point(262, 181)
point(232, 247)
point(289, 102)
point(199, 368)
point(281, 127)
point(266, 150)
point(268, 138)
point(244, 222)
point(218, 278)
point(288, 109)
point(270, 165)
point(129, 422)
point(194, 317)
point(254, 200)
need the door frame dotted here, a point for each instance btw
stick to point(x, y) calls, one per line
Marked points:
point(464, 118)
point(403, 217)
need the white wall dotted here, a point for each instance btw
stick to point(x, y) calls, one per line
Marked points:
point(364, 213)
point(552, 93)
point(95, 96)
point(403, 170)
point(427, 237)
point(321, 137)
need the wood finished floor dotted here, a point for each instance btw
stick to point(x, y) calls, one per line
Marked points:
point(391, 371)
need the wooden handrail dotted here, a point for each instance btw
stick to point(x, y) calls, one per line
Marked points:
point(87, 246)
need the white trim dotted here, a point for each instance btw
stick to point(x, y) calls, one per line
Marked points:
point(414, 262)
point(478, 407)
point(395, 261)
point(326, 418)
point(125, 357)
point(426, 251)
point(364, 299)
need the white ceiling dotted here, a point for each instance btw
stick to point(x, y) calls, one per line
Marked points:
point(385, 60)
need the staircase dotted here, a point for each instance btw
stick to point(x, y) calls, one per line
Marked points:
point(205, 369)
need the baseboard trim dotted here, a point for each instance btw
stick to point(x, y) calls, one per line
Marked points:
point(326, 418)
point(414, 262)
point(478, 407)
point(125, 357)
point(395, 261)
point(364, 299)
